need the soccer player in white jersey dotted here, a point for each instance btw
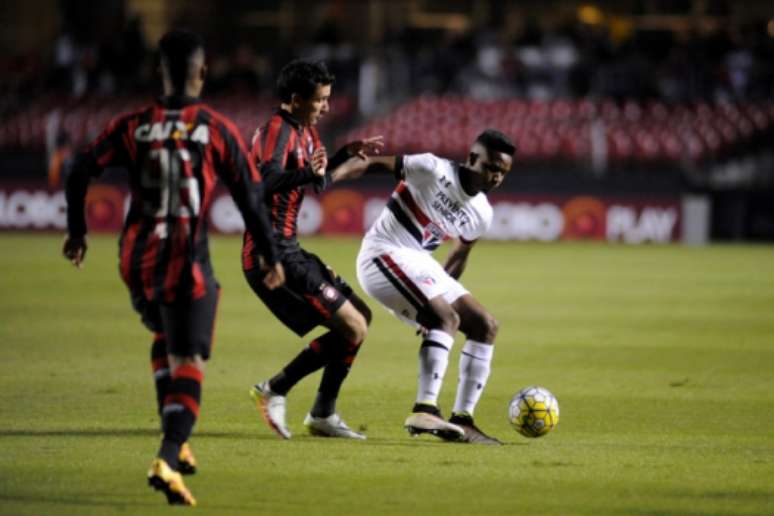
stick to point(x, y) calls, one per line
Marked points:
point(436, 199)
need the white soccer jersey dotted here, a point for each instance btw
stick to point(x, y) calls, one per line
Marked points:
point(430, 206)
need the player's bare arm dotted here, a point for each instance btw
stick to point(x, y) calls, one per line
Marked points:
point(355, 167)
point(359, 150)
point(458, 258)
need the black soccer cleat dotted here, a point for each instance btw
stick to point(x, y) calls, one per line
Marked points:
point(427, 419)
point(473, 434)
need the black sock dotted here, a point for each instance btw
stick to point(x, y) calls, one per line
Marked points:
point(181, 409)
point(307, 362)
point(160, 368)
point(333, 376)
point(170, 451)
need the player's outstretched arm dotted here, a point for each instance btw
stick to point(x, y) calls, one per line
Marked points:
point(458, 258)
point(355, 167)
point(360, 148)
point(366, 147)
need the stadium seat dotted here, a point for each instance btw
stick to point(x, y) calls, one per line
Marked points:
point(545, 130)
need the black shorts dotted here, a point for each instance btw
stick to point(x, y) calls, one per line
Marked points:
point(310, 296)
point(188, 324)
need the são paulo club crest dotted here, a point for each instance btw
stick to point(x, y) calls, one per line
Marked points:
point(432, 236)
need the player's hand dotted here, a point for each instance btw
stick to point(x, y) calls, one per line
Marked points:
point(319, 161)
point(275, 276)
point(362, 148)
point(74, 250)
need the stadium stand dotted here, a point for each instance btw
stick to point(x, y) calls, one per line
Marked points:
point(80, 120)
point(573, 130)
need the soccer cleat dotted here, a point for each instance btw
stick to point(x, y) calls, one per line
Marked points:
point(331, 426)
point(186, 460)
point(473, 434)
point(272, 408)
point(163, 478)
point(426, 419)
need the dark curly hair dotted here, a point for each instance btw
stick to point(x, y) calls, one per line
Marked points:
point(496, 141)
point(302, 77)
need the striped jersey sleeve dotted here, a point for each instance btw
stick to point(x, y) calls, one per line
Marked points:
point(115, 146)
point(243, 180)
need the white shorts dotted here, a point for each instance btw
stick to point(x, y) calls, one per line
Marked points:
point(403, 280)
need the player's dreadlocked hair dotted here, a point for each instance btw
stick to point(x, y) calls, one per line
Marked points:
point(176, 48)
point(496, 141)
point(302, 77)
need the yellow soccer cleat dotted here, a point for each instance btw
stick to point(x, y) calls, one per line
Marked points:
point(186, 460)
point(163, 478)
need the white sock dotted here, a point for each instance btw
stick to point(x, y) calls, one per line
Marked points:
point(475, 363)
point(433, 360)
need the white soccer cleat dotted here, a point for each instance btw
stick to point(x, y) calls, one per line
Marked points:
point(331, 426)
point(424, 423)
point(272, 408)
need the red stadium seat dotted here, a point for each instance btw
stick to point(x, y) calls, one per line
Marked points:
point(543, 130)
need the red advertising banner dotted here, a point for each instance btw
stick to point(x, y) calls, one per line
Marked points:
point(349, 211)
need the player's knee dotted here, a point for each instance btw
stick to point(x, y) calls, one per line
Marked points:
point(450, 321)
point(366, 313)
point(484, 327)
point(443, 318)
point(491, 326)
point(357, 328)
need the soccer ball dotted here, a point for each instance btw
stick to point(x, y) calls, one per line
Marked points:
point(534, 411)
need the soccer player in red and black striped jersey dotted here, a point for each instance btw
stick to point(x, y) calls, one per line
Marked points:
point(174, 151)
point(291, 160)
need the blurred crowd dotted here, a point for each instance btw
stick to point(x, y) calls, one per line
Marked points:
point(573, 61)
point(581, 60)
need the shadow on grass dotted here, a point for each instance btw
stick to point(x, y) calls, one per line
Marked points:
point(256, 435)
point(123, 506)
point(741, 495)
point(124, 432)
point(69, 500)
point(412, 442)
point(743, 501)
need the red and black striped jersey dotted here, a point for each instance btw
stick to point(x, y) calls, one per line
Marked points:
point(174, 151)
point(283, 148)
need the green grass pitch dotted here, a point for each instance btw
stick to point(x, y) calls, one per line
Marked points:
point(662, 358)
